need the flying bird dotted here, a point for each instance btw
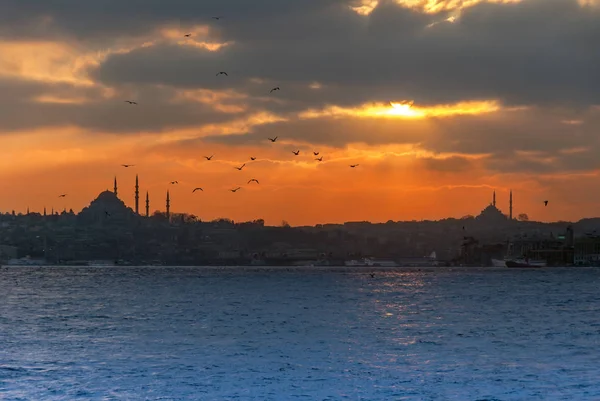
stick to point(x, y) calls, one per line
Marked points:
point(106, 213)
point(252, 158)
point(236, 189)
point(546, 203)
point(320, 159)
point(240, 167)
point(275, 89)
point(217, 18)
point(127, 165)
point(130, 102)
point(316, 153)
point(354, 165)
point(296, 152)
point(208, 158)
point(62, 196)
point(255, 180)
point(272, 139)
point(174, 182)
point(222, 73)
point(197, 189)
point(187, 35)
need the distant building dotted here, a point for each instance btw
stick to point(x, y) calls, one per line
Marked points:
point(492, 215)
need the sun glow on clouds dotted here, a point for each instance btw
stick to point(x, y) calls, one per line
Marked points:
point(405, 110)
point(365, 7)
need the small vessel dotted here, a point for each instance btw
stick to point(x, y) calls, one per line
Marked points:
point(498, 262)
point(525, 263)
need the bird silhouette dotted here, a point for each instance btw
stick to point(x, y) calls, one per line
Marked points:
point(252, 158)
point(545, 203)
point(275, 89)
point(222, 73)
point(316, 153)
point(130, 102)
point(354, 165)
point(62, 196)
point(127, 165)
point(255, 180)
point(208, 157)
point(174, 182)
point(106, 213)
point(272, 139)
point(217, 18)
point(296, 152)
point(240, 167)
point(187, 35)
point(320, 159)
point(197, 189)
point(235, 189)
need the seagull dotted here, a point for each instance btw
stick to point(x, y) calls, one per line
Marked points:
point(62, 196)
point(196, 189)
point(187, 35)
point(252, 158)
point(208, 158)
point(236, 189)
point(255, 180)
point(240, 167)
point(296, 152)
point(222, 73)
point(275, 89)
point(217, 18)
point(354, 165)
point(130, 102)
point(174, 182)
point(545, 203)
point(106, 213)
point(319, 159)
point(127, 165)
point(316, 153)
point(272, 139)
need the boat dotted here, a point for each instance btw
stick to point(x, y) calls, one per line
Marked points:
point(525, 263)
point(498, 262)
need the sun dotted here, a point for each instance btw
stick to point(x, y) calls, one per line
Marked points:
point(404, 109)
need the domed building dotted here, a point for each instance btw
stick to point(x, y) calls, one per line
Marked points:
point(106, 207)
point(492, 215)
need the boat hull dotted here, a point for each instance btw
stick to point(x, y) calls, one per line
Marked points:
point(524, 264)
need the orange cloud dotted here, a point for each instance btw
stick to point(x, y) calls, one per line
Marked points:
point(365, 7)
point(406, 110)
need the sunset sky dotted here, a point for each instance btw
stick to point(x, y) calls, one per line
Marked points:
point(439, 102)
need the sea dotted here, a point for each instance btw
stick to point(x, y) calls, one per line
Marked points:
point(197, 333)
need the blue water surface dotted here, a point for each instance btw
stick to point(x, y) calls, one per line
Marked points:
point(152, 333)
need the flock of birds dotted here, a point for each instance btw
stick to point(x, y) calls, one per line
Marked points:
point(252, 158)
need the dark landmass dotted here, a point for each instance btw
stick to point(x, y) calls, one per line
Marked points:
point(108, 230)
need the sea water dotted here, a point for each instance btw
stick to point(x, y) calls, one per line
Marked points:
point(309, 334)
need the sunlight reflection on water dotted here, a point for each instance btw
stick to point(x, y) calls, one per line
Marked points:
point(213, 334)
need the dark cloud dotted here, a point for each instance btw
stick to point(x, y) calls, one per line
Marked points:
point(537, 51)
point(155, 112)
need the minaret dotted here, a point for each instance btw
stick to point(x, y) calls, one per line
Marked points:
point(137, 195)
point(44, 210)
point(510, 206)
point(147, 205)
point(27, 210)
point(168, 206)
point(493, 202)
point(115, 185)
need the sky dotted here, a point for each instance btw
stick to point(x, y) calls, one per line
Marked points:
point(439, 102)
